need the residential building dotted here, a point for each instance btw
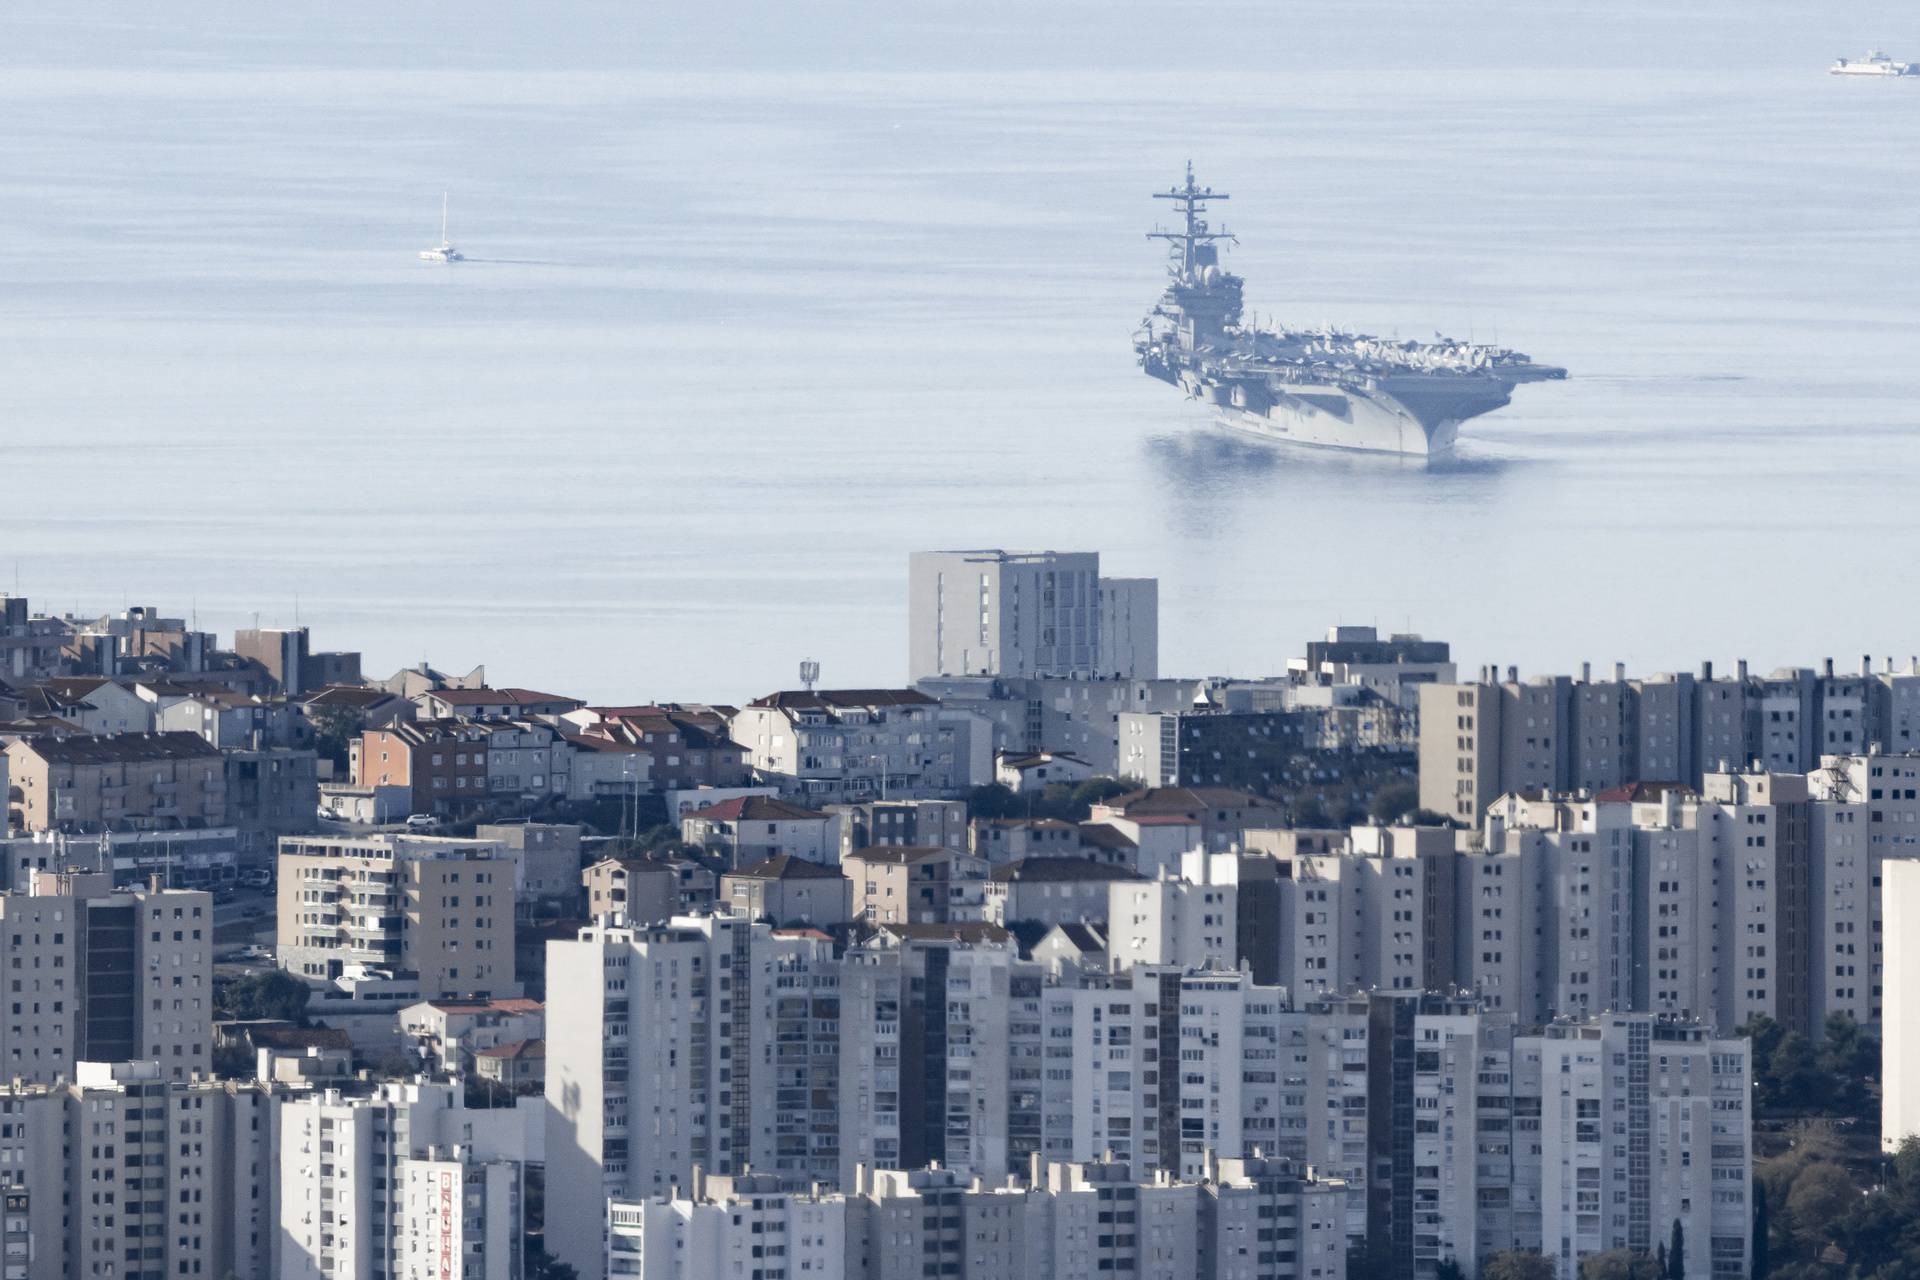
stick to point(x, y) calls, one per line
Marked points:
point(1190, 919)
point(438, 908)
point(131, 781)
point(449, 1034)
point(998, 613)
point(364, 1179)
point(528, 762)
point(106, 975)
point(1164, 822)
point(787, 890)
point(96, 704)
point(546, 858)
point(482, 703)
point(846, 745)
point(1642, 1122)
point(1341, 733)
point(462, 1216)
point(271, 792)
point(684, 746)
point(1252, 1219)
point(231, 720)
point(1900, 1027)
point(900, 884)
point(516, 1066)
point(442, 763)
point(1061, 713)
point(646, 890)
point(289, 659)
point(126, 1152)
point(1050, 891)
point(923, 824)
point(729, 1226)
point(1031, 772)
point(661, 1060)
point(751, 829)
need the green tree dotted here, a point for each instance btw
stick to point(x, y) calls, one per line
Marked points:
point(1516, 1265)
point(1448, 1269)
point(334, 728)
point(1099, 790)
point(1798, 1084)
point(1760, 1229)
point(993, 801)
point(1851, 1059)
point(1394, 801)
point(1820, 1197)
point(1619, 1264)
point(1677, 1253)
point(272, 994)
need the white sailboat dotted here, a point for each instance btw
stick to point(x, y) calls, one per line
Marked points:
point(446, 252)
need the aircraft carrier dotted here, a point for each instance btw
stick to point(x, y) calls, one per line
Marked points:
point(1314, 387)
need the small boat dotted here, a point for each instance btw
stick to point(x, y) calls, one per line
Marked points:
point(1875, 63)
point(446, 252)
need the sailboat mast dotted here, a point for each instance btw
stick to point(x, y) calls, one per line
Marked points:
point(443, 218)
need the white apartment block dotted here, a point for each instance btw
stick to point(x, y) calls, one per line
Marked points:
point(846, 746)
point(1642, 1123)
point(662, 1059)
point(99, 974)
point(1900, 1025)
point(1042, 613)
point(440, 908)
point(727, 1228)
point(461, 1216)
point(1256, 1219)
point(1190, 919)
point(127, 1172)
point(347, 1205)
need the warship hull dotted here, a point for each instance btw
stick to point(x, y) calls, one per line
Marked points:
point(1420, 419)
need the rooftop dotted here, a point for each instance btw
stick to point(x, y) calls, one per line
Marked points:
point(843, 699)
point(1191, 803)
point(784, 866)
point(756, 809)
point(121, 748)
point(901, 854)
point(1061, 870)
point(518, 1050)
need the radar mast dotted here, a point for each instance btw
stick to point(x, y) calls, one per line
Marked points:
point(1192, 247)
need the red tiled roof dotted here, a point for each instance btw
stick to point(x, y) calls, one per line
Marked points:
point(756, 809)
point(519, 1049)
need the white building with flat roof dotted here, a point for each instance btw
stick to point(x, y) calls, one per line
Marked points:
point(1027, 613)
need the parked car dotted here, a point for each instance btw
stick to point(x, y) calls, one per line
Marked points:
point(422, 822)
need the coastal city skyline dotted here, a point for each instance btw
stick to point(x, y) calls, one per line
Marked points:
point(959, 641)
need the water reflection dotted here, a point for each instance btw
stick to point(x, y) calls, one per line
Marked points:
point(1218, 469)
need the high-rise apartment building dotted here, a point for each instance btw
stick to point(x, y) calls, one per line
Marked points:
point(104, 975)
point(698, 1043)
point(402, 1183)
point(126, 1171)
point(1040, 613)
point(1252, 1219)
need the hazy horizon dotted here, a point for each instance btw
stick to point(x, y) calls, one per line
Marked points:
point(762, 299)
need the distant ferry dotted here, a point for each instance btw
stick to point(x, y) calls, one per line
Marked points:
point(445, 252)
point(1875, 63)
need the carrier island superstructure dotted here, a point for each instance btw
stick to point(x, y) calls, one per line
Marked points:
point(1315, 387)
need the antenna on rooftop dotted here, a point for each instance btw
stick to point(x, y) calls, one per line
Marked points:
point(809, 673)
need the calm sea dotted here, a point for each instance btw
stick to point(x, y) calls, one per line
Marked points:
point(762, 297)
